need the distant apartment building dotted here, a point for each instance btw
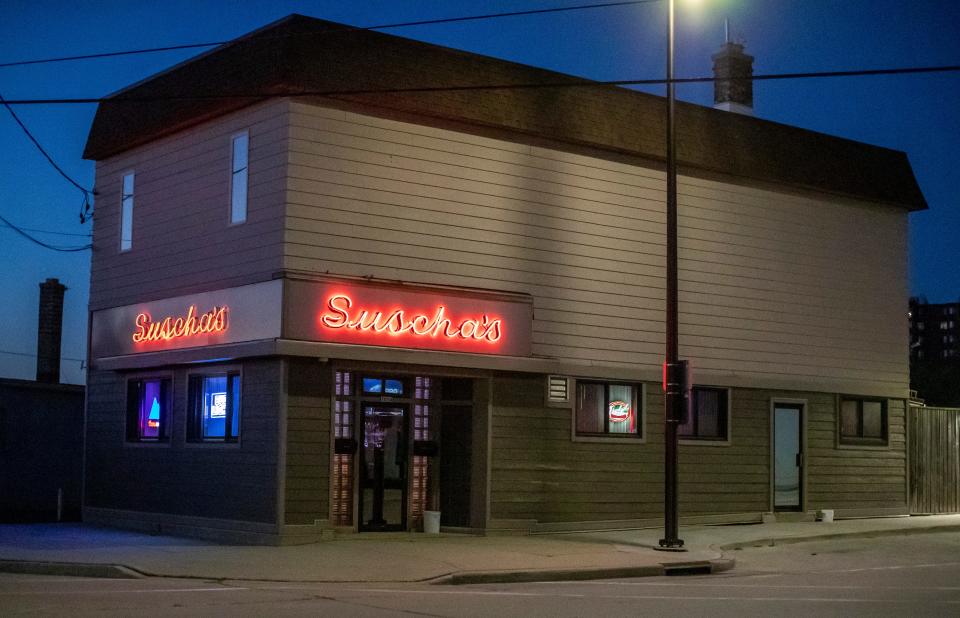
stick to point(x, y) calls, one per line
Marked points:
point(934, 330)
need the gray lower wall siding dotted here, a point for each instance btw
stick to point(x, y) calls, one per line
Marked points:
point(855, 478)
point(539, 473)
point(307, 489)
point(233, 482)
point(734, 478)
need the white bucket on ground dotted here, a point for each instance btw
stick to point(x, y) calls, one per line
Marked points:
point(826, 515)
point(431, 522)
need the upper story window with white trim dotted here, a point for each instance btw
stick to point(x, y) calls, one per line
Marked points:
point(238, 178)
point(126, 213)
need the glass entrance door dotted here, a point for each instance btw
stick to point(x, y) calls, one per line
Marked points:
point(383, 468)
point(787, 457)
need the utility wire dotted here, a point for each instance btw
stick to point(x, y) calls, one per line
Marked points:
point(40, 242)
point(45, 154)
point(406, 24)
point(576, 83)
point(79, 360)
point(36, 231)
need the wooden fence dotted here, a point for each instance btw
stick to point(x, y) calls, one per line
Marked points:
point(934, 460)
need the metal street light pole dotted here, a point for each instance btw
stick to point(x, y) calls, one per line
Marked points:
point(674, 380)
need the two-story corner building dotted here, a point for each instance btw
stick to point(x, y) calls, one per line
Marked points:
point(338, 280)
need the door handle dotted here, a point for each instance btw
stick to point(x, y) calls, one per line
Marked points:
point(799, 460)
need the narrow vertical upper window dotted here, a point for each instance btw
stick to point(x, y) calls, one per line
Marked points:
point(238, 179)
point(126, 213)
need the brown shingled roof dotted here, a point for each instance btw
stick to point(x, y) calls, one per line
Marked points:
point(300, 54)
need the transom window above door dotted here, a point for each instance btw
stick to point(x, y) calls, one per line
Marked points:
point(383, 386)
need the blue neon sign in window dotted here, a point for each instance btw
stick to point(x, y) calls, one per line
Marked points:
point(215, 416)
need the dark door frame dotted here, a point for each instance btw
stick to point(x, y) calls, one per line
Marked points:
point(363, 526)
point(801, 406)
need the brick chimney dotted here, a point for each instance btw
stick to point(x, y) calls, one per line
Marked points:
point(50, 330)
point(733, 88)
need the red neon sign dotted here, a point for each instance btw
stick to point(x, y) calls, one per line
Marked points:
point(619, 411)
point(398, 321)
point(213, 321)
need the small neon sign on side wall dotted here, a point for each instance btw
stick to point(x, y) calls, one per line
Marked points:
point(170, 327)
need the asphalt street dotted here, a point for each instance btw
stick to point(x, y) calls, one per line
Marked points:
point(913, 575)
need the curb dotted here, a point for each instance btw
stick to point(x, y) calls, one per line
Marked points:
point(703, 567)
point(70, 569)
point(790, 540)
point(117, 571)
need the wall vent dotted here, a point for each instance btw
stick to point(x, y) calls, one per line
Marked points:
point(558, 390)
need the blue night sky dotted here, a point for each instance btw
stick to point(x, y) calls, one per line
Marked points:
point(918, 114)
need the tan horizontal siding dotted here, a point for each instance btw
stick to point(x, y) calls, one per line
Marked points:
point(182, 239)
point(463, 150)
point(773, 284)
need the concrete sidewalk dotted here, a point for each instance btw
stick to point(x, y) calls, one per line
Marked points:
point(74, 549)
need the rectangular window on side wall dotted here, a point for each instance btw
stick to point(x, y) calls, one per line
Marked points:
point(238, 178)
point(709, 415)
point(149, 410)
point(126, 213)
point(606, 409)
point(863, 421)
point(214, 411)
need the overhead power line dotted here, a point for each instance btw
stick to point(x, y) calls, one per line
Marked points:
point(57, 232)
point(405, 24)
point(42, 150)
point(37, 241)
point(79, 360)
point(574, 83)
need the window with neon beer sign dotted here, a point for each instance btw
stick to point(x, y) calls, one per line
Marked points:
point(413, 317)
